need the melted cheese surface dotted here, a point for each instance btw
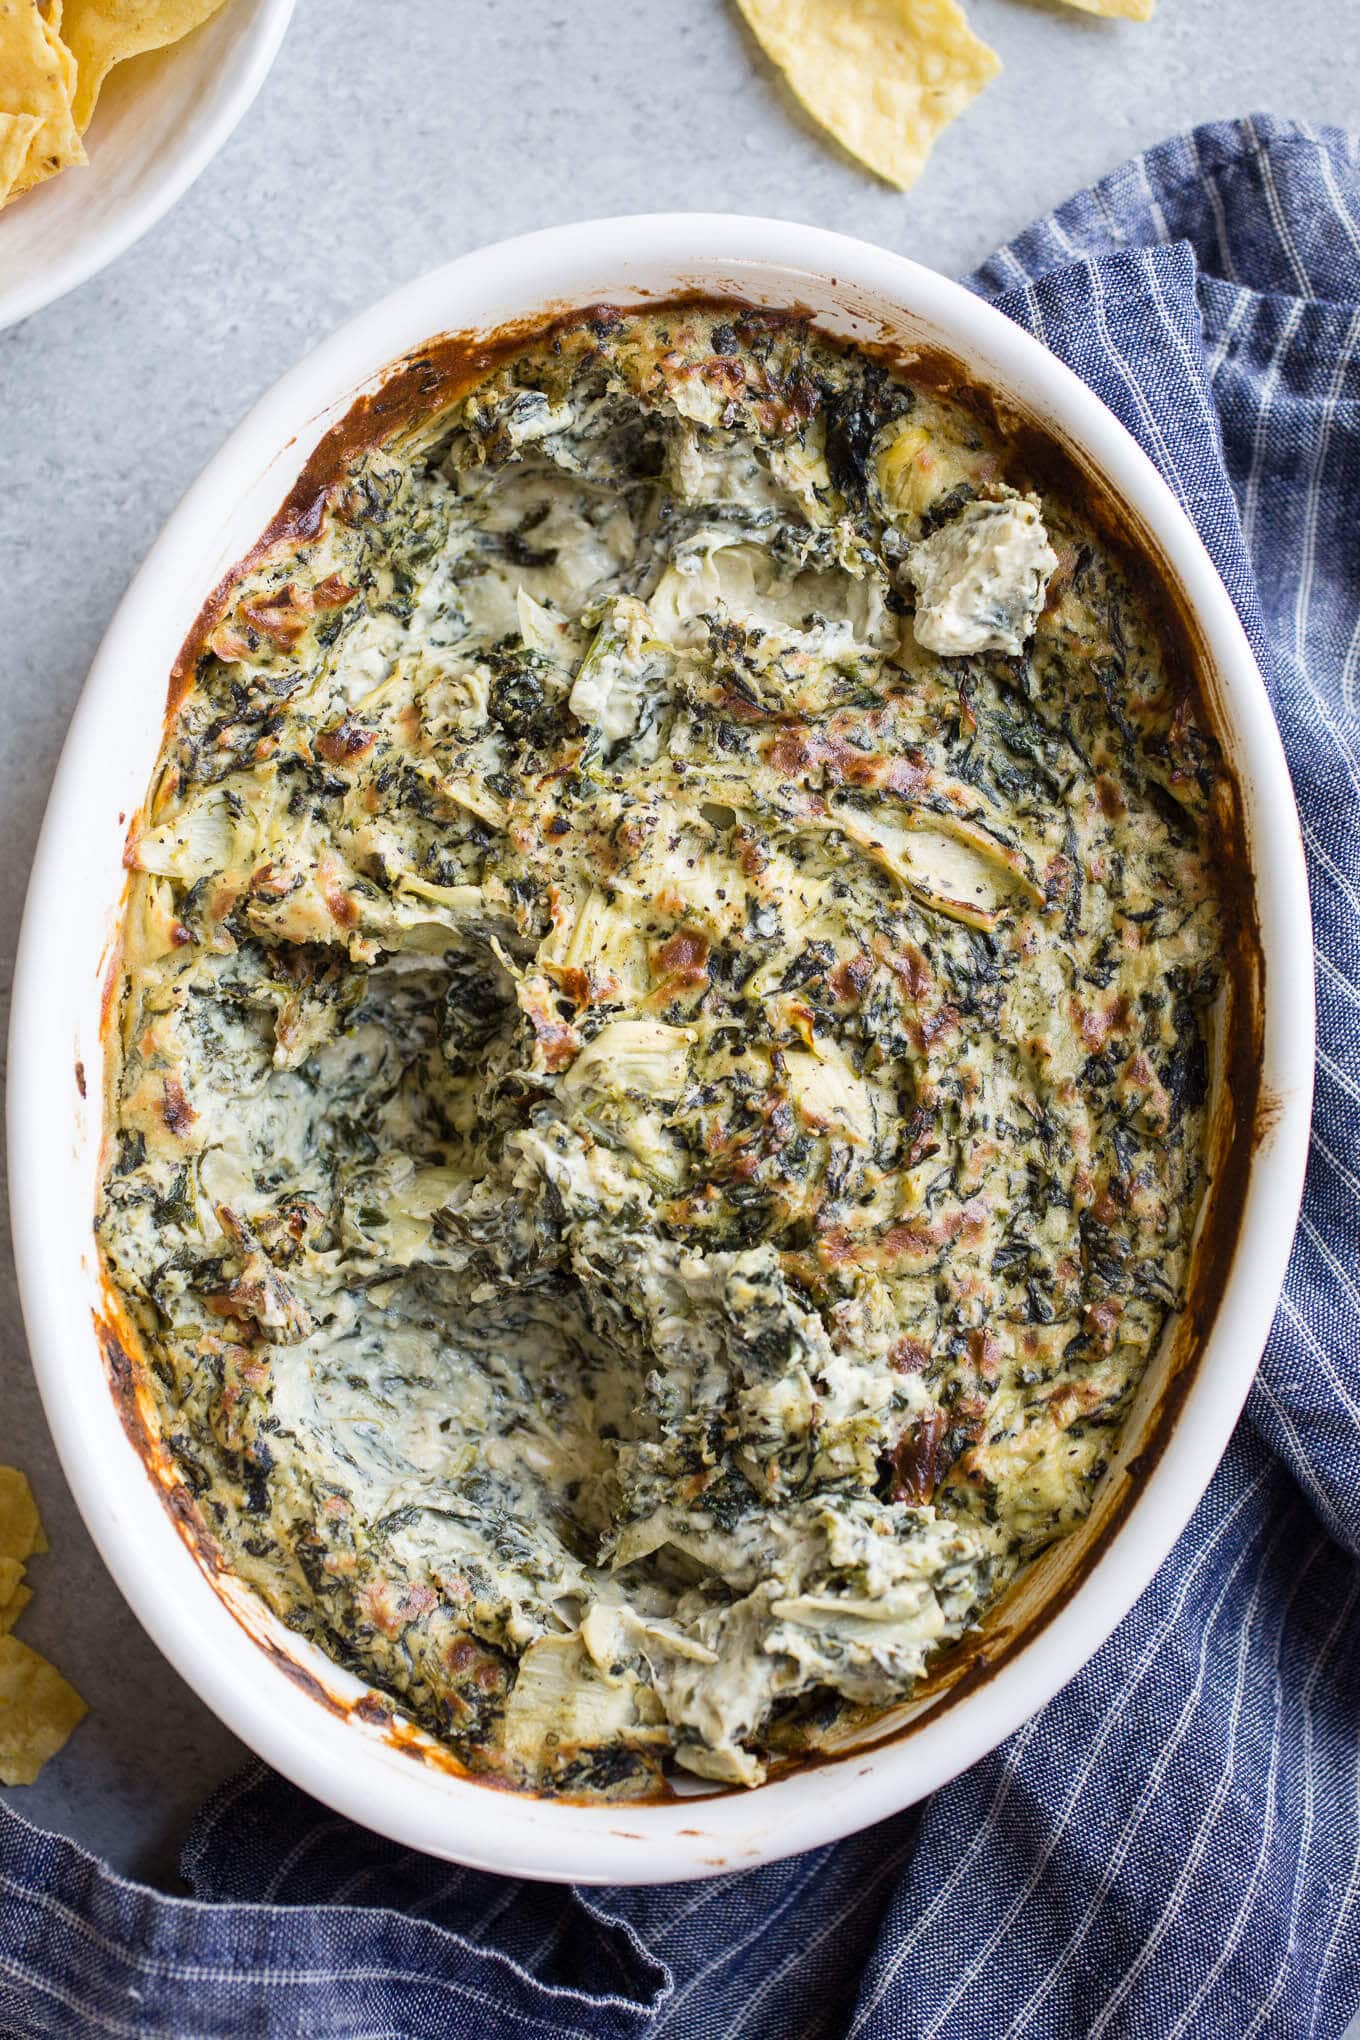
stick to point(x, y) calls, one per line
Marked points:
point(660, 1112)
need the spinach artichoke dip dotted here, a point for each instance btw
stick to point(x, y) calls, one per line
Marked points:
point(659, 1104)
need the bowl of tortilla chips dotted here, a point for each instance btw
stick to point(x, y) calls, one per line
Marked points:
point(108, 111)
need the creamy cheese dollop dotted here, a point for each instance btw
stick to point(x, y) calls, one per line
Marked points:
point(981, 579)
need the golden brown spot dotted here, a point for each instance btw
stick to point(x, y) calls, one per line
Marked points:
point(725, 373)
point(792, 752)
point(915, 1237)
point(907, 965)
point(1091, 1026)
point(345, 742)
point(835, 1247)
point(984, 1350)
point(391, 1608)
point(1102, 1321)
point(847, 980)
point(915, 1461)
point(1074, 1399)
point(683, 958)
point(803, 1021)
point(939, 1025)
point(341, 908)
point(750, 853)
point(571, 981)
point(744, 711)
point(176, 1110)
point(798, 750)
point(1110, 795)
point(272, 882)
point(918, 1236)
point(229, 643)
point(278, 618)
point(908, 774)
point(557, 1043)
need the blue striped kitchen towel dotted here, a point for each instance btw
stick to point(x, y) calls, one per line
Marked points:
point(1173, 1846)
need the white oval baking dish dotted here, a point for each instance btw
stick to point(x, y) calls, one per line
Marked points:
point(311, 1721)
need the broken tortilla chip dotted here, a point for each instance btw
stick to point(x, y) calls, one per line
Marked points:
point(63, 148)
point(885, 77)
point(1126, 10)
point(13, 1608)
point(16, 132)
point(21, 1531)
point(66, 63)
point(38, 1711)
point(36, 80)
point(102, 33)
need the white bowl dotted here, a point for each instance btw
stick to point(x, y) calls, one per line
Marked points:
point(161, 118)
point(311, 1721)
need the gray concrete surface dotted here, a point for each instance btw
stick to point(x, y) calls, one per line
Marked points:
point(386, 140)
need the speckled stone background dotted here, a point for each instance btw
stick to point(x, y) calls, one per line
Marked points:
point(387, 139)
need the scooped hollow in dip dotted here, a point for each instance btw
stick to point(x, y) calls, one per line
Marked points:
point(660, 1114)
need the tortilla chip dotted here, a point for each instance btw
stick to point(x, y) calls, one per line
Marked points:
point(65, 61)
point(38, 1710)
point(11, 1572)
point(101, 33)
point(16, 132)
point(66, 150)
point(21, 1531)
point(13, 1608)
point(1127, 10)
point(884, 76)
point(37, 76)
